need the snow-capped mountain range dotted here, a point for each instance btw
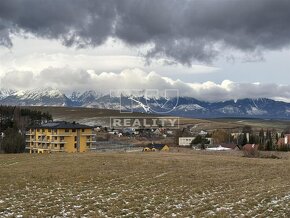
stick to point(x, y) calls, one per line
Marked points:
point(182, 106)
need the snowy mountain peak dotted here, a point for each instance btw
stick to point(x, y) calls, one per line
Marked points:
point(5, 93)
point(187, 106)
point(39, 93)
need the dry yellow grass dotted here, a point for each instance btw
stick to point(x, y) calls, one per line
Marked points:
point(143, 185)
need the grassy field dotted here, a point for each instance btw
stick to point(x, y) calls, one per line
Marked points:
point(235, 125)
point(90, 116)
point(93, 116)
point(143, 185)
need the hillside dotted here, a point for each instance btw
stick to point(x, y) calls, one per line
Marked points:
point(89, 116)
point(143, 185)
point(93, 116)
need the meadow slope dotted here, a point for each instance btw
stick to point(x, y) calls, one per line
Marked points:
point(143, 185)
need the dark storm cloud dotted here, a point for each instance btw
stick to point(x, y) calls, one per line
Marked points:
point(75, 22)
point(183, 31)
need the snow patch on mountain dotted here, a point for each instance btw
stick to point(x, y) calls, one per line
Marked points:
point(229, 110)
point(38, 94)
point(5, 93)
point(255, 111)
point(191, 107)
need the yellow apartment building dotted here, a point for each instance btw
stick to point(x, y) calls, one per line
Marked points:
point(59, 137)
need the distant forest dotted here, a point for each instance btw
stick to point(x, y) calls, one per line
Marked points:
point(13, 123)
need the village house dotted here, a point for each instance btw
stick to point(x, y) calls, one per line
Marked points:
point(284, 142)
point(250, 147)
point(156, 147)
point(59, 137)
point(186, 141)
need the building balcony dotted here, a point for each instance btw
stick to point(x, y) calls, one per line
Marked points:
point(29, 133)
point(57, 149)
point(42, 147)
point(58, 141)
point(61, 134)
point(49, 149)
point(41, 141)
point(89, 134)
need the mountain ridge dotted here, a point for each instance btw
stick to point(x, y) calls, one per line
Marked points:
point(182, 106)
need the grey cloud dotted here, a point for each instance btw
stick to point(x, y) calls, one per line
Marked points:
point(17, 80)
point(75, 22)
point(68, 80)
point(185, 32)
point(5, 39)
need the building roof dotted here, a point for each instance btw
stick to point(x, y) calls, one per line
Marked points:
point(229, 145)
point(62, 125)
point(219, 148)
point(156, 146)
point(249, 147)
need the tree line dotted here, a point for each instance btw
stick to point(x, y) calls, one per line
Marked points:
point(14, 121)
point(267, 139)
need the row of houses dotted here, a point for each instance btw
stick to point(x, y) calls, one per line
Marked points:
point(130, 131)
point(70, 137)
point(186, 141)
point(73, 137)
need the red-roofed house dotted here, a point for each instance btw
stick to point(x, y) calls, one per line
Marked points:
point(284, 142)
point(250, 147)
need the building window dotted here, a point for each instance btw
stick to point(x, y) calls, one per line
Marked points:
point(49, 130)
point(83, 130)
point(75, 145)
point(62, 146)
point(66, 130)
point(74, 130)
point(76, 138)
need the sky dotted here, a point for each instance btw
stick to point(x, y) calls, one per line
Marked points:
point(208, 49)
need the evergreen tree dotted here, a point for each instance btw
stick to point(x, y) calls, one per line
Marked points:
point(282, 135)
point(201, 141)
point(269, 141)
point(14, 119)
point(261, 137)
point(244, 139)
point(13, 141)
